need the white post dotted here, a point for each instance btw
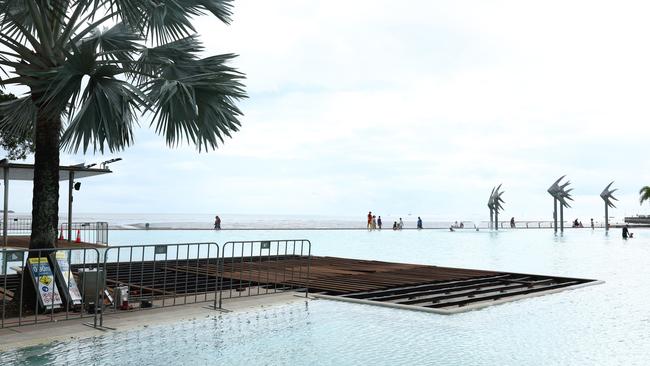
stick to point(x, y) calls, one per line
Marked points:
point(70, 185)
point(5, 217)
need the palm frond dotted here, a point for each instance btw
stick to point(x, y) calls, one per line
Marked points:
point(154, 60)
point(117, 43)
point(19, 116)
point(645, 194)
point(59, 87)
point(106, 116)
point(195, 101)
point(222, 9)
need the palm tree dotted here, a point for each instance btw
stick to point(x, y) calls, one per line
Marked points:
point(92, 67)
point(645, 194)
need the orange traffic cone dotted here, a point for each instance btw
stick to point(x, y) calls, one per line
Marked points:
point(61, 235)
point(78, 240)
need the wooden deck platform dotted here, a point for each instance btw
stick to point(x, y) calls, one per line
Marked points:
point(22, 242)
point(399, 284)
point(439, 289)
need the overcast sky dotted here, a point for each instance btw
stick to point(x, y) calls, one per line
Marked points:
point(412, 106)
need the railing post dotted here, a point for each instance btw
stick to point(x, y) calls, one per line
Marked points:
point(5, 217)
point(217, 291)
point(220, 270)
point(98, 289)
point(308, 269)
point(99, 298)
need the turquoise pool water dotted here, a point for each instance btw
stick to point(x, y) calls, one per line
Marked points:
point(607, 324)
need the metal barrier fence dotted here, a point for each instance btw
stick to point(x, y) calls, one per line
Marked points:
point(87, 232)
point(93, 282)
point(17, 226)
point(545, 224)
point(260, 267)
point(42, 286)
point(159, 275)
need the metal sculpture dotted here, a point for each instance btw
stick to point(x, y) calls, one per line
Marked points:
point(495, 204)
point(490, 205)
point(607, 196)
point(562, 195)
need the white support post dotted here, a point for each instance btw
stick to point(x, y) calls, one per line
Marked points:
point(70, 186)
point(5, 216)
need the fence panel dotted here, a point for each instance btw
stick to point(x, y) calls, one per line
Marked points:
point(159, 275)
point(46, 285)
point(17, 226)
point(87, 232)
point(252, 268)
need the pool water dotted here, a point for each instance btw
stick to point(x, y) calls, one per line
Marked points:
point(607, 324)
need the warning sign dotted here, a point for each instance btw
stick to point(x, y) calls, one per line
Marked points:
point(68, 278)
point(43, 277)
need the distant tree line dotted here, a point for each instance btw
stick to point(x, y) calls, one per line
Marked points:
point(16, 147)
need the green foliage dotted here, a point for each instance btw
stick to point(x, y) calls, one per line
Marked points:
point(102, 64)
point(644, 194)
point(17, 145)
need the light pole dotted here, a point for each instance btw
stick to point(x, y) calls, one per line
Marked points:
point(76, 186)
point(607, 196)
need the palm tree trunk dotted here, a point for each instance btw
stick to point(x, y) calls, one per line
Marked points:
point(45, 201)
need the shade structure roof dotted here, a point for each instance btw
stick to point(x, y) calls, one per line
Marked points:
point(17, 171)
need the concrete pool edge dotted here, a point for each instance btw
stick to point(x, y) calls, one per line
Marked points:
point(72, 330)
point(454, 311)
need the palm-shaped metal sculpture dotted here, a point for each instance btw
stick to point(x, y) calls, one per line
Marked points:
point(92, 67)
point(608, 196)
point(490, 205)
point(562, 195)
point(495, 204)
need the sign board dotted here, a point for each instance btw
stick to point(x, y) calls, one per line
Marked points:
point(266, 245)
point(68, 278)
point(43, 277)
point(160, 249)
point(16, 256)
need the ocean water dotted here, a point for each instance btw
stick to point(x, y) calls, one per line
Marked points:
point(607, 324)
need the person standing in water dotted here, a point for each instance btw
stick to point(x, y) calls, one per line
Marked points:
point(373, 224)
point(401, 224)
point(217, 223)
point(379, 222)
point(626, 231)
point(592, 223)
point(369, 219)
point(512, 223)
point(419, 223)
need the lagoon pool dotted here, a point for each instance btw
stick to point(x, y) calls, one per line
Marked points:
point(607, 324)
